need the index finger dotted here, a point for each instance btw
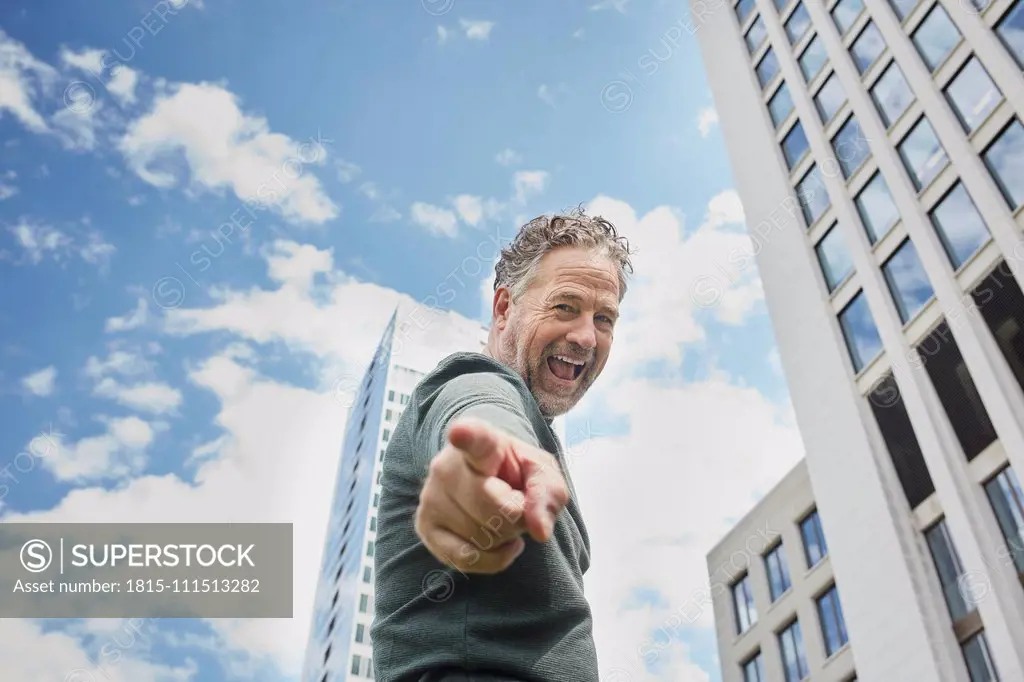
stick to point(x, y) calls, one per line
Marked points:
point(483, 446)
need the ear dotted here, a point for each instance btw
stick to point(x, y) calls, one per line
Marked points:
point(501, 307)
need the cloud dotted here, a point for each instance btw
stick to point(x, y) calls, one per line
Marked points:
point(578, 33)
point(41, 383)
point(116, 453)
point(442, 35)
point(617, 5)
point(476, 30)
point(347, 171)
point(528, 183)
point(438, 221)
point(706, 119)
point(385, 214)
point(119, 362)
point(23, 78)
point(132, 320)
point(470, 208)
point(544, 92)
point(508, 157)
point(40, 241)
point(151, 396)
point(225, 148)
point(122, 84)
point(7, 191)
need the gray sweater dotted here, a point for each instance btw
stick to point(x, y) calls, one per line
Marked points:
point(433, 623)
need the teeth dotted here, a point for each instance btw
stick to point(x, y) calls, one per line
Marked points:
point(578, 363)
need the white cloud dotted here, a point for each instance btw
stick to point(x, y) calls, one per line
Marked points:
point(470, 208)
point(725, 208)
point(617, 5)
point(508, 157)
point(123, 81)
point(131, 320)
point(706, 119)
point(41, 383)
point(149, 396)
point(119, 362)
point(22, 79)
point(118, 452)
point(89, 60)
point(476, 30)
point(544, 92)
point(578, 33)
point(225, 148)
point(528, 183)
point(369, 190)
point(437, 220)
point(385, 214)
point(7, 191)
point(39, 241)
point(347, 171)
point(296, 265)
point(442, 35)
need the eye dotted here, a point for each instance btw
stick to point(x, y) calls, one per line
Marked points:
point(564, 307)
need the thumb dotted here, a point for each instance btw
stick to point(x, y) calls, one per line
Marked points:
point(483, 447)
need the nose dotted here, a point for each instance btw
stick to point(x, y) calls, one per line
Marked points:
point(583, 334)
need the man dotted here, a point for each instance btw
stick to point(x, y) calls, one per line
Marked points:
point(481, 547)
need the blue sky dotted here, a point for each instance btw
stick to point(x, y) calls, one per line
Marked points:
point(208, 211)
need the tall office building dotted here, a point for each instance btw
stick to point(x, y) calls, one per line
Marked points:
point(878, 149)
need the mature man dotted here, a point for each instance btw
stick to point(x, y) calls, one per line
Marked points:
point(481, 547)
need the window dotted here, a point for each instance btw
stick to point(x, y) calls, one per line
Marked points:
point(850, 147)
point(972, 95)
point(756, 35)
point(330, 626)
point(382, 451)
point(778, 572)
point(797, 24)
point(767, 68)
point(753, 669)
point(903, 7)
point(876, 208)
point(867, 48)
point(956, 390)
point(376, 500)
point(830, 99)
point(947, 565)
point(811, 194)
point(1005, 161)
point(845, 14)
point(892, 94)
point(360, 632)
point(1011, 31)
point(901, 441)
point(1007, 498)
point(922, 154)
point(373, 523)
point(387, 415)
point(907, 280)
point(391, 396)
point(794, 145)
point(367, 574)
point(369, 548)
point(794, 660)
point(979, 659)
point(959, 225)
point(357, 663)
point(935, 37)
point(369, 668)
point(327, 654)
point(862, 340)
point(833, 627)
point(378, 476)
point(813, 59)
point(387, 435)
point(836, 264)
point(814, 539)
point(364, 603)
point(780, 105)
point(743, 603)
point(780, 4)
point(1002, 305)
point(743, 10)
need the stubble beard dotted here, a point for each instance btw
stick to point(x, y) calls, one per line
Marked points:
point(516, 352)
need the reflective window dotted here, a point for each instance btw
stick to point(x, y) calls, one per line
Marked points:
point(813, 59)
point(845, 14)
point(780, 105)
point(356, 664)
point(1007, 498)
point(876, 208)
point(1001, 302)
point(979, 659)
point(903, 7)
point(743, 602)
point(947, 565)
point(833, 625)
point(892, 94)
point(867, 48)
point(959, 225)
point(900, 440)
point(1011, 31)
point(814, 539)
point(973, 95)
point(850, 147)
point(794, 659)
point(907, 280)
point(834, 257)
point(830, 98)
point(797, 24)
point(778, 572)
point(781, 4)
point(743, 10)
point(922, 154)
point(794, 145)
point(1005, 161)
point(811, 194)
point(756, 35)
point(862, 339)
point(936, 37)
point(767, 68)
point(753, 670)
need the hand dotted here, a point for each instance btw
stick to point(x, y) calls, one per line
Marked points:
point(483, 491)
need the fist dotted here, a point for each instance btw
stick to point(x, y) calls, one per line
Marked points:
point(483, 491)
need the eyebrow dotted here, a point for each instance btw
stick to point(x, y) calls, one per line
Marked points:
point(576, 298)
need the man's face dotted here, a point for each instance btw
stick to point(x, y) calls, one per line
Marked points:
point(559, 334)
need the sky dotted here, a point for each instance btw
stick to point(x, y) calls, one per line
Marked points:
point(210, 209)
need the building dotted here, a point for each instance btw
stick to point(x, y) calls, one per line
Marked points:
point(782, 605)
point(878, 150)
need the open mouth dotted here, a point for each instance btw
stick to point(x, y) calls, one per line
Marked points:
point(565, 368)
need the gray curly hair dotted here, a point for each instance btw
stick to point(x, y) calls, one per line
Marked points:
point(519, 260)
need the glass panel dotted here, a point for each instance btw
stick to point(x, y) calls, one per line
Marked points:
point(813, 198)
point(850, 147)
point(867, 47)
point(743, 600)
point(892, 94)
point(794, 145)
point(794, 659)
point(1007, 498)
point(907, 281)
point(814, 540)
point(1005, 161)
point(901, 441)
point(973, 95)
point(813, 59)
point(781, 4)
point(778, 572)
point(876, 207)
point(845, 14)
point(959, 225)
point(835, 260)
point(1011, 31)
point(1001, 302)
point(743, 10)
point(947, 565)
point(830, 98)
point(756, 35)
point(780, 105)
point(922, 154)
point(903, 7)
point(797, 24)
point(753, 671)
point(858, 326)
point(979, 659)
point(767, 68)
point(833, 628)
point(936, 37)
